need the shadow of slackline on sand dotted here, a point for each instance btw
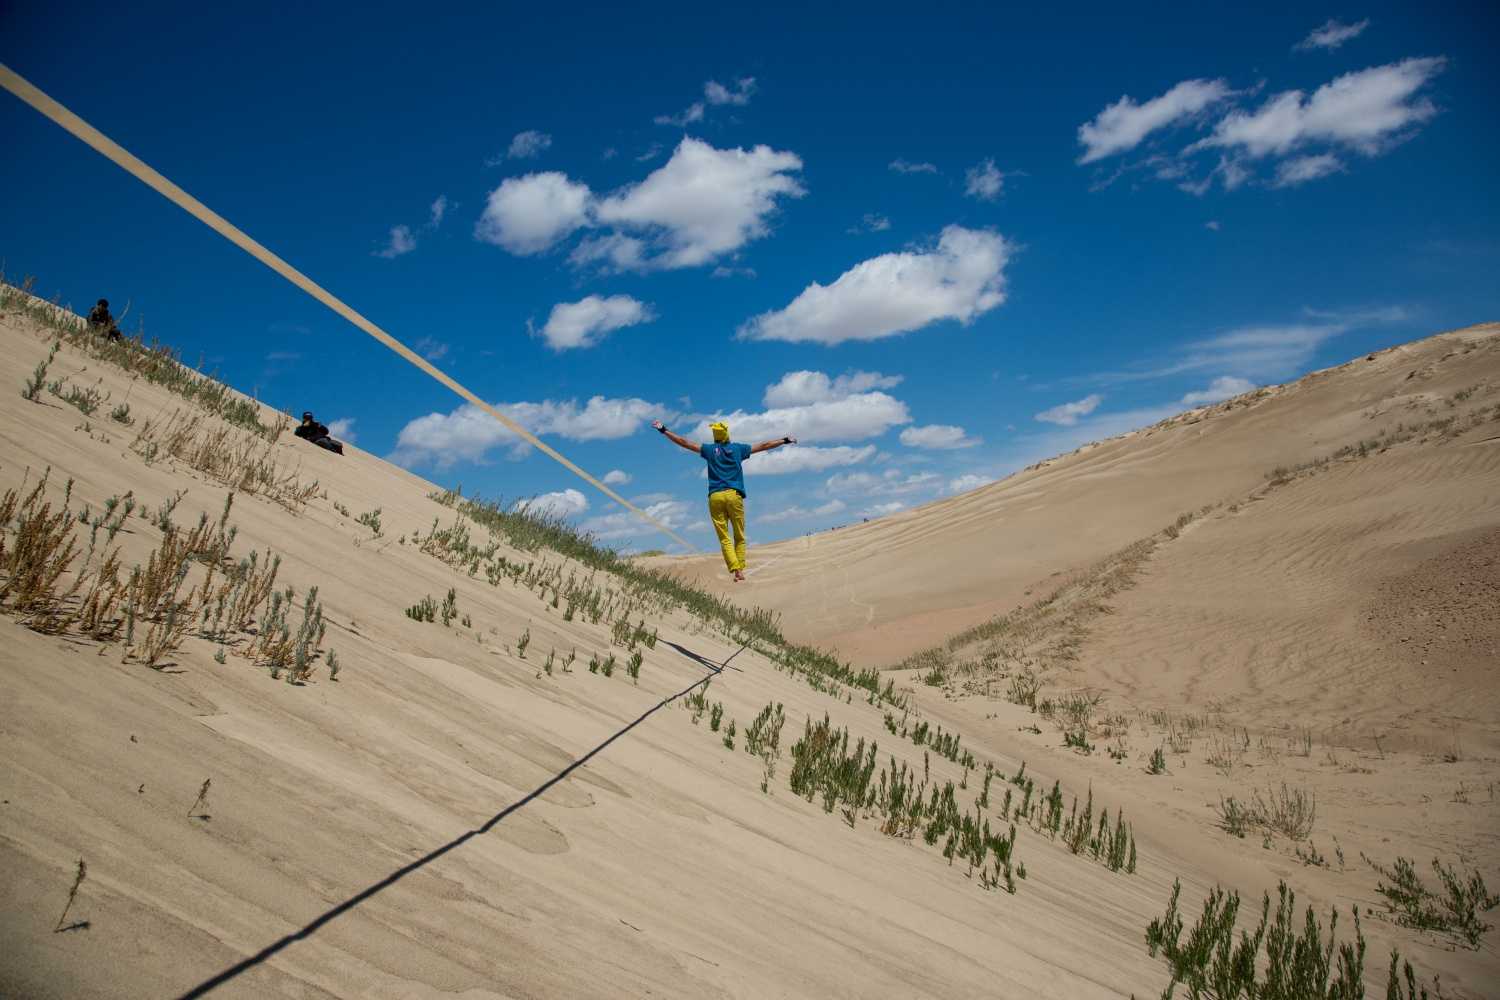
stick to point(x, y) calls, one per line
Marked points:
point(313, 926)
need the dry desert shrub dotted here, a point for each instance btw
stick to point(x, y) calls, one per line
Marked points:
point(239, 460)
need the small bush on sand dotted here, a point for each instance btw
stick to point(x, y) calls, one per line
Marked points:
point(1457, 912)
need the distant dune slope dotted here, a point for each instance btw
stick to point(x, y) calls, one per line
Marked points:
point(882, 590)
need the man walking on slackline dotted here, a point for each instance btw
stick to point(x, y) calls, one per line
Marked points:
point(726, 486)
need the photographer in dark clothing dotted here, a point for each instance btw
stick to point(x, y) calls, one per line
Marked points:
point(101, 322)
point(311, 430)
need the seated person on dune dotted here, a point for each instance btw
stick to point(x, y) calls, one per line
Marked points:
point(311, 430)
point(100, 321)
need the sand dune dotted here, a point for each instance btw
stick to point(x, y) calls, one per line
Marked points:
point(379, 835)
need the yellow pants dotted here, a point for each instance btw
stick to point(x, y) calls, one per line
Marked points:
point(727, 508)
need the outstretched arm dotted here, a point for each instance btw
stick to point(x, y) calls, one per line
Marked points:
point(768, 445)
point(676, 439)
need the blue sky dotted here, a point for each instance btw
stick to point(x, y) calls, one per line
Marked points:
point(935, 246)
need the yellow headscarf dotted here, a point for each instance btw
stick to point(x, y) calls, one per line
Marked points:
point(721, 432)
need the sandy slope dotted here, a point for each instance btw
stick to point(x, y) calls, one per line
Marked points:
point(881, 590)
point(658, 867)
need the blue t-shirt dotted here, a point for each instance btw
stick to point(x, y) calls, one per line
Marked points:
point(724, 471)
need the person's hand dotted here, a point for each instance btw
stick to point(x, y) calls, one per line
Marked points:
point(658, 425)
point(790, 440)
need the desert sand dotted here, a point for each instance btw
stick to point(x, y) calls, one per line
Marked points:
point(450, 818)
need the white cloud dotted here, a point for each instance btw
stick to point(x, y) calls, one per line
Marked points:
point(1301, 169)
point(1212, 224)
point(1271, 350)
point(984, 181)
point(675, 514)
point(437, 211)
point(851, 418)
point(693, 113)
point(615, 250)
point(401, 241)
point(468, 434)
point(962, 278)
point(1367, 111)
point(1067, 414)
point(804, 458)
point(586, 322)
point(563, 503)
point(965, 483)
point(343, 429)
point(527, 215)
point(1125, 124)
point(1332, 34)
point(1265, 352)
point(802, 387)
point(651, 152)
point(528, 145)
point(796, 513)
point(901, 166)
point(1222, 388)
point(702, 204)
point(617, 477)
point(942, 437)
point(882, 509)
point(716, 93)
point(705, 202)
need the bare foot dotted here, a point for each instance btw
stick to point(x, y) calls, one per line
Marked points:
point(739, 576)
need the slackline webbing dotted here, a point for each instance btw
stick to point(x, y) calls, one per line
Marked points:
point(23, 89)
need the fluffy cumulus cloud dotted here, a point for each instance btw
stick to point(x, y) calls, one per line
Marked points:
point(704, 202)
point(808, 458)
point(1301, 169)
point(1332, 34)
point(798, 513)
point(617, 477)
point(1222, 388)
point(1068, 414)
point(588, 321)
point(531, 214)
point(802, 387)
point(401, 241)
point(959, 279)
point(564, 503)
point(851, 418)
point(1366, 111)
point(343, 429)
point(528, 145)
point(984, 181)
point(965, 483)
point(468, 434)
point(941, 437)
point(1125, 124)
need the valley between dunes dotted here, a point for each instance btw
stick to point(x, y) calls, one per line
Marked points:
point(459, 814)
